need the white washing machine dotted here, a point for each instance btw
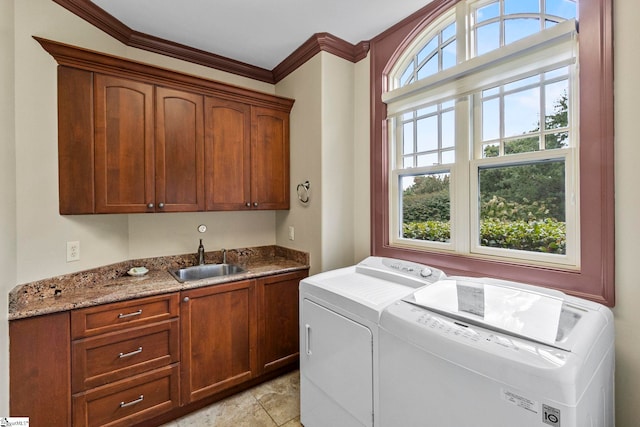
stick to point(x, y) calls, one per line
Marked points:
point(467, 352)
point(339, 314)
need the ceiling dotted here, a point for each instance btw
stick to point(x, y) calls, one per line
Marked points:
point(261, 33)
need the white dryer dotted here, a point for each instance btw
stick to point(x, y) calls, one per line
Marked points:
point(339, 314)
point(467, 352)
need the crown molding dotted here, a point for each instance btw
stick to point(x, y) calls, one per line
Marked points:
point(326, 42)
point(320, 42)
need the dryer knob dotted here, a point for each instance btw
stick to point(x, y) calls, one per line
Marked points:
point(426, 272)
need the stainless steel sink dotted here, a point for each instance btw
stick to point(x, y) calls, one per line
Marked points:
point(205, 271)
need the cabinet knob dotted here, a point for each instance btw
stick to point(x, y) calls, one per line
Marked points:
point(161, 205)
point(255, 204)
point(150, 205)
point(248, 204)
point(185, 299)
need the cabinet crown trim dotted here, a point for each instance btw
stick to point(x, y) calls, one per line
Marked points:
point(90, 60)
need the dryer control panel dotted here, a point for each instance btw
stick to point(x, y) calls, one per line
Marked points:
point(400, 271)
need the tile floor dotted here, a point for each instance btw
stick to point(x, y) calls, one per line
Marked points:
point(275, 403)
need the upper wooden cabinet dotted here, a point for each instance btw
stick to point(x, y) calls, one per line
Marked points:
point(247, 156)
point(269, 159)
point(124, 174)
point(147, 159)
point(179, 151)
point(137, 138)
point(227, 154)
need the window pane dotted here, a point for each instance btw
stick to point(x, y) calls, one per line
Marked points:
point(487, 12)
point(521, 6)
point(449, 32)
point(448, 104)
point(522, 145)
point(449, 55)
point(429, 69)
point(428, 110)
point(406, 76)
point(522, 112)
point(448, 157)
point(426, 51)
point(556, 140)
point(407, 137)
point(491, 119)
point(487, 38)
point(490, 150)
point(562, 8)
point(516, 29)
point(448, 129)
point(556, 73)
point(490, 92)
point(427, 134)
point(407, 162)
point(523, 207)
point(522, 83)
point(556, 105)
point(425, 207)
point(428, 160)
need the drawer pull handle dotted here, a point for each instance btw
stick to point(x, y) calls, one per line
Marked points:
point(133, 402)
point(131, 353)
point(135, 313)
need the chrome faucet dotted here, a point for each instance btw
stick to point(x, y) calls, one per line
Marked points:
point(224, 256)
point(201, 253)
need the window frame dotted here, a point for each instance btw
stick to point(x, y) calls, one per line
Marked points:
point(595, 278)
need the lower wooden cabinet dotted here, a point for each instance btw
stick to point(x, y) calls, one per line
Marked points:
point(278, 341)
point(124, 363)
point(218, 333)
point(130, 401)
point(40, 370)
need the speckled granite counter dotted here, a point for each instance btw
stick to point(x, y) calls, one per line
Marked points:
point(111, 283)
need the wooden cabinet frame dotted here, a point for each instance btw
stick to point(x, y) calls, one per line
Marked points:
point(82, 155)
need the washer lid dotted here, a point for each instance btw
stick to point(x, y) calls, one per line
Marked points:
point(501, 306)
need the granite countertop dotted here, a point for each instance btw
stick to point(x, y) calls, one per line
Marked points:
point(112, 283)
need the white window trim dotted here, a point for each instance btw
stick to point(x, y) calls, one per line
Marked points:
point(550, 49)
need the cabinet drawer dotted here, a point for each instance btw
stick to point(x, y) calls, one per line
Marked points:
point(129, 401)
point(110, 357)
point(112, 317)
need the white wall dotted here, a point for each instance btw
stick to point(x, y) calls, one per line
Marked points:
point(7, 190)
point(361, 162)
point(306, 141)
point(627, 155)
point(323, 130)
point(337, 162)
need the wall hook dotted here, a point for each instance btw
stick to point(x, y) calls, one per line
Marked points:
point(303, 192)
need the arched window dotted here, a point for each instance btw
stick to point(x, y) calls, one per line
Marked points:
point(479, 158)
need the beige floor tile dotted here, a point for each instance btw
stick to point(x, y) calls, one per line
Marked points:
point(272, 404)
point(280, 397)
point(293, 423)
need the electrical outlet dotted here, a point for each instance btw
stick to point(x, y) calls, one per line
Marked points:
point(73, 251)
point(292, 233)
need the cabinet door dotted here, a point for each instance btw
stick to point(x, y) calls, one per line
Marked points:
point(227, 154)
point(269, 159)
point(218, 333)
point(278, 302)
point(39, 369)
point(124, 166)
point(179, 151)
